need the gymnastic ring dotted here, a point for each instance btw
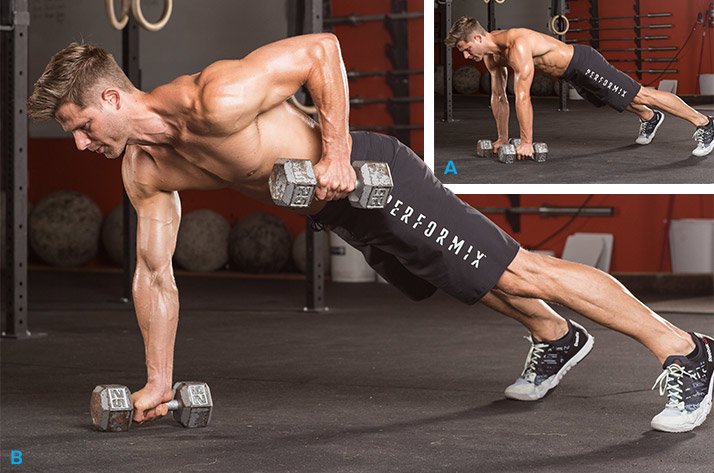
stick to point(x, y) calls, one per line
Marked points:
point(500, 1)
point(554, 19)
point(139, 15)
point(486, 1)
point(125, 6)
point(310, 109)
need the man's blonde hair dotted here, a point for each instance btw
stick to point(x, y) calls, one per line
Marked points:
point(462, 30)
point(69, 77)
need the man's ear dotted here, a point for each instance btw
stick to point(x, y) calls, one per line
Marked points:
point(112, 97)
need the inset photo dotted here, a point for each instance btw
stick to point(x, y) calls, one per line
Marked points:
point(596, 91)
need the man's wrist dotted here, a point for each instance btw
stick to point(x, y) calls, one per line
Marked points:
point(159, 382)
point(335, 153)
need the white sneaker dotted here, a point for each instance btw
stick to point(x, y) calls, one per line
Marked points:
point(688, 383)
point(547, 363)
point(649, 128)
point(704, 136)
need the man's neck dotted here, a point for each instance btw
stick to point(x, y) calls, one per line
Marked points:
point(149, 126)
point(496, 42)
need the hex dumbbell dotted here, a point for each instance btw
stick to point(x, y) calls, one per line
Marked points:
point(112, 409)
point(540, 150)
point(484, 149)
point(292, 184)
point(507, 152)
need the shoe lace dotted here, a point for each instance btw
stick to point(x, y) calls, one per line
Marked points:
point(700, 135)
point(534, 356)
point(647, 126)
point(643, 127)
point(670, 380)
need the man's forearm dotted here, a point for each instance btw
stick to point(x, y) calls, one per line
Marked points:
point(156, 303)
point(499, 107)
point(524, 112)
point(327, 84)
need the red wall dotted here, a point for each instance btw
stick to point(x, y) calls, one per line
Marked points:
point(363, 48)
point(697, 56)
point(639, 225)
point(694, 59)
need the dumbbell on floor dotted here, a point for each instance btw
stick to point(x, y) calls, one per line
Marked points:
point(484, 149)
point(292, 184)
point(540, 151)
point(507, 152)
point(112, 408)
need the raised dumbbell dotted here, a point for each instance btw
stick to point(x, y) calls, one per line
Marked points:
point(112, 409)
point(292, 184)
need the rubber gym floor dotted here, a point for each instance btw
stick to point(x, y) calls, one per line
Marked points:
point(587, 145)
point(377, 384)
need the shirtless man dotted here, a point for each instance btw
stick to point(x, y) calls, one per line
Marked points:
point(584, 68)
point(225, 127)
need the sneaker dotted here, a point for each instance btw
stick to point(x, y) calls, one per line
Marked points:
point(548, 362)
point(688, 383)
point(704, 136)
point(649, 128)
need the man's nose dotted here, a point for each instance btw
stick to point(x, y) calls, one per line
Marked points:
point(81, 141)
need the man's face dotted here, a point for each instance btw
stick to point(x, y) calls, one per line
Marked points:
point(99, 128)
point(472, 49)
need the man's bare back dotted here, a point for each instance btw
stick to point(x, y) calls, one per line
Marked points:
point(217, 142)
point(547, 53)
point(225, 126)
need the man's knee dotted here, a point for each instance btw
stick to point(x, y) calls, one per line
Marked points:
point(528, 275)
point(643, 97)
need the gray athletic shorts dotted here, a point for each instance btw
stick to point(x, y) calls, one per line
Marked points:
point(598, 81)
point(426, 237)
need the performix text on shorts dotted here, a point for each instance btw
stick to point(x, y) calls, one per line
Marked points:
point(606, 83)
point(408, 216)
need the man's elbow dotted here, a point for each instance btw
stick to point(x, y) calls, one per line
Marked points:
point(499, 98)
point(325, 45)
point(157, 274)
point(523, 98)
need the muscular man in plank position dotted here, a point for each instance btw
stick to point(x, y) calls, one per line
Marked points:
point(584, 68)
point(224, 128)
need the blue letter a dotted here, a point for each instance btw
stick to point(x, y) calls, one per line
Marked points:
point(450, 167)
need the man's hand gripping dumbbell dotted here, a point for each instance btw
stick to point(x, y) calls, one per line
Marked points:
point(112, 408)
point(293, 183)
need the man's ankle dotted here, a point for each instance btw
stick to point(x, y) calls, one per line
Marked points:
point(703, 121)
point(551, 333)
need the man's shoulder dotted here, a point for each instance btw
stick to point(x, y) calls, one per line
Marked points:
point(139, 171)
point(519, 36)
